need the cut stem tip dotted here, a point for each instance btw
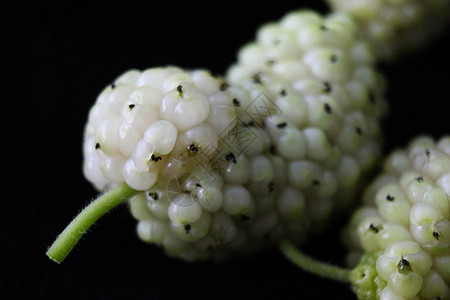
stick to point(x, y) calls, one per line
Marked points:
point(67, 240)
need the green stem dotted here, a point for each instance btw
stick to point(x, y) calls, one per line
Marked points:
point(313, 266)
point(65, 242)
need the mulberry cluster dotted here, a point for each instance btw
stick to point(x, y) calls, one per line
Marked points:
point(228, 167)
point(404, 227)
point(396, 26)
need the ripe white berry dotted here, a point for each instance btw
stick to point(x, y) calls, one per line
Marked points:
point(270, 155)
point(396, 26)
point(405, 225)
point(319, 82)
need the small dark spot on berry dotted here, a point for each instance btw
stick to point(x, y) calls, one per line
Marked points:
point(154, 195)
point(257, 78)
point(333, 58)
point(282, 125)
point(271, 186)
point(249, 124)
point(244, 217)
point(327, 108)
point(427, 153)
point(323, 28)
point(193, 148)
point(283, 92)
point(315, 182)
point(97, 146)
point(363, 275)
point(273, 150)
point(373, 228)
point(198, 185)
point(436, 235)
point(131, 106)
point(224, 86)
point(358, 131)
point(187, 228)
point(404, 266)
point(113, 85)
point(187, 192)
point(236, 102)
point(230, 156)
point(390, 198)
point(419, 179)
point(180, 90)
point(327, 87)
point(156, 158)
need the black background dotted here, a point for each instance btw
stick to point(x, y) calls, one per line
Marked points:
point(56, 58)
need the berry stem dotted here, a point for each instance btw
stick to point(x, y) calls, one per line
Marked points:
point(65, 242)
point(313, 266)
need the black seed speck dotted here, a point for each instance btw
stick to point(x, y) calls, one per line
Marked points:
point(373, 228)
point(224, 86)
point(198, 185)
point(187, 192)
point(427, 153)
point(315, 182)
point(333, 58)
point(283, 92)
point(244, 217)
point(257, 78)
point(419, 179)
point(113, 85)
point(180, 90)
point(97, 146)
point(390, 198)
point(436, 235)
point(187, 228)
point(236, 102)
point(193, 148)
point(282, 125)
point(327, 87)
point(155, 158)
point(271, 186)
point(327, 108)
point(403, 266)
point(273, 150)
point(249, 124)
point(230, 156)
point(323, 28)
point(154, 195)
point(131, 106)
point(358, 131)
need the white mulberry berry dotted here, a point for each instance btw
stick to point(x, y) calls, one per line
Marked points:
point(393, 26)
point(404, 227)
